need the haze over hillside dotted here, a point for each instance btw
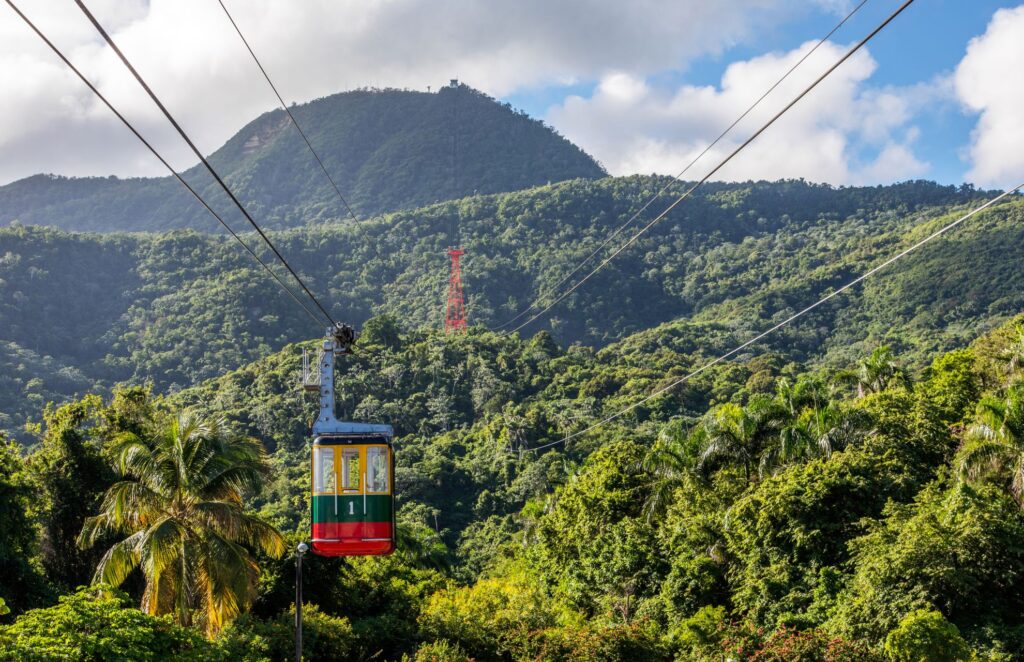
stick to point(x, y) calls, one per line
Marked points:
point(387, 149)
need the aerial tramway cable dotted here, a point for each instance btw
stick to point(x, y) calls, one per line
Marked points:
point(720, 165)
point(162, 160)
point(202, 158)
point(679, 176)
point(284, 105)
point(739, 348)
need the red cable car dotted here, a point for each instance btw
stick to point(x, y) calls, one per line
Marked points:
point(352, 508)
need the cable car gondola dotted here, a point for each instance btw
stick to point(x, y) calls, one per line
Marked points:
point(352, 510)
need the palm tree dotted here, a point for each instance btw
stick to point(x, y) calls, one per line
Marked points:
point(1013, 356)
point(816, 432)
point(180, 506)
point(809, 425)
point(995, 443)
point(672, 463)
point(794, 436)
point(740, 435)
point(878, 371)
point(832, 428)
point(804, 392)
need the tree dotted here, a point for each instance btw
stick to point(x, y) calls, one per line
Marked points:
point(925, 635)
point(787, 535)
point(878, 371)
point(71, 477)
point(595, 540)
point(958, 550)
point(739, 435)
point(953, 384)
point(797, 395)
point(181, 507)
point(21, 583)
point(833, 428)
point(1013, 356)
point(672, 463)
point(995, 446)
point(809, 425)
point(382, 330)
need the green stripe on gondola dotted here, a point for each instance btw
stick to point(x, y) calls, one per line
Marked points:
point(350, 508)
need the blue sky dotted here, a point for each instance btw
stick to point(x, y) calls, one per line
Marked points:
point(925, 43)
point(641, 85)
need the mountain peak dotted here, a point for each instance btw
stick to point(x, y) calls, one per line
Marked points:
point(387, 149)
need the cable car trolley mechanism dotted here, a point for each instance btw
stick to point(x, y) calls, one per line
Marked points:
point(352, 501)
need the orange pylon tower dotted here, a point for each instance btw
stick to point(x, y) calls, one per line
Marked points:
point(455, 316)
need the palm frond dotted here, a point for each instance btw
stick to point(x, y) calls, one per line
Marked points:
point(130, 504)
point(161, 545)
point(981, 456)
point(119, 561)
point(224, 517)
point(226, 580)
point(261, 535)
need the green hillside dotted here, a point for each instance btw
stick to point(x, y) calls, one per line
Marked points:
point(768, 510)
point(387, 149)
point(176, 308)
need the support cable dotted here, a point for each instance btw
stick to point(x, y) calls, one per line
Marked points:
point(167, 165)
point(720, 165)
point(202, 158)
point(284, 105)
point(679, 176)
point(867, 274)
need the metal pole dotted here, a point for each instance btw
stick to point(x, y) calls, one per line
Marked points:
point(299, 551)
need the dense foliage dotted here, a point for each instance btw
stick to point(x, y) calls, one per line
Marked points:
point(387, 149)
point(849, 489)
point(769, 510)
point(82, 311)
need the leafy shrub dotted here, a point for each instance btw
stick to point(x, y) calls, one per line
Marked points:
point(595, 643)
point(701, 634)
point(92, 625)
point(493, 618)
point(324, 637)
point(746, 641)
point(925, 635)
point(440, 651)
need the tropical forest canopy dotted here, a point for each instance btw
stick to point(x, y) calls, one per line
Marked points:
point(770, 509)
point(82, 312)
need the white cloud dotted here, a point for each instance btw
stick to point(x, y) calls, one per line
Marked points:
point(188, 52)
point(988, 81)
point(842, 132)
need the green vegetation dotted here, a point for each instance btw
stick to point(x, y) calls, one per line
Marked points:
point(182, 511)
point(849, 489)
point(83, 312)
point(768, 510)
point(388, 149)
point(89, 626)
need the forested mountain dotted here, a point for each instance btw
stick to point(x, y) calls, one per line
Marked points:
point(387, 149)
point(173, 309)
point(766, 511)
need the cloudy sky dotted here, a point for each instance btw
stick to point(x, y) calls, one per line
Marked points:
point(642, 85)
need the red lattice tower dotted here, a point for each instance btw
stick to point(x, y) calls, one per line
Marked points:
point(455, 316)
